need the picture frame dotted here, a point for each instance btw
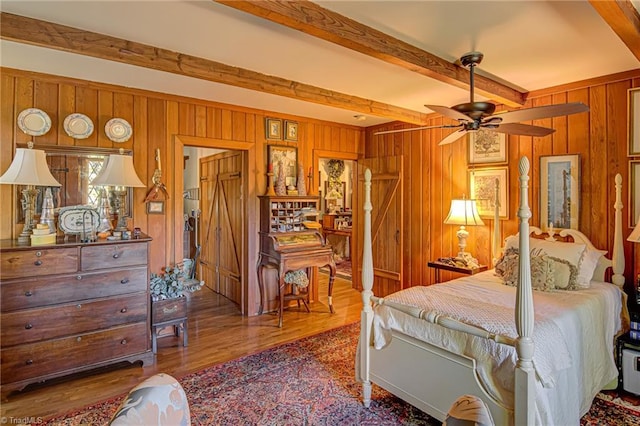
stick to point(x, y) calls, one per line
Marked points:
point(291, 131)
point(482, 186)
point(288, 157)
point(273, 128)
point(633, 122)
point(155, 207)
point(487, 147)
point(560, 191)
point(634, 192)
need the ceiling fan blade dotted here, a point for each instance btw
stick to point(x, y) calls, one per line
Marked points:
point(385, 132)
point(448, 112)
point(453, 137)
point(523, 129)
point(546, 111)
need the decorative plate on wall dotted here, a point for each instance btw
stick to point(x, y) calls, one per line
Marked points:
point(118, 130)
point(78, 126)
point(34, 122)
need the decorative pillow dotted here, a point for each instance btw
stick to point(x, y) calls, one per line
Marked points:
point(565, 274)
point(542, 271)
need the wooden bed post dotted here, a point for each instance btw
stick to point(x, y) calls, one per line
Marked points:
point(495, 241)
point(524, 409)
point(366, 317)
point(617, 257)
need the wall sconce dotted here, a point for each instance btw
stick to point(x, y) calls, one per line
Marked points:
point(119, 173)
point(464, 212)
point(29, 167)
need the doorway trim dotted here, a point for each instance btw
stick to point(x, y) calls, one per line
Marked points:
point(250, 299)
point(321, 153)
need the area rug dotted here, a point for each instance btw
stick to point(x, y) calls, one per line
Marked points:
point(306, 382)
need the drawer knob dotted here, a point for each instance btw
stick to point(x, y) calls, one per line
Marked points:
point(38, 253)
point(29, 362)
point(116, 255)
point(79, 306)
point(79, 339)
point(123, 342)
point(123, 310)
point(28, 326)
point(124, 281)
point(38, 262)
point(28, 293)
point(79, 277)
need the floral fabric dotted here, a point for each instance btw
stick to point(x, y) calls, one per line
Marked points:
point(159, 400)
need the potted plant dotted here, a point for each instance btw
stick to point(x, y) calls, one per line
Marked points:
point(168, 302)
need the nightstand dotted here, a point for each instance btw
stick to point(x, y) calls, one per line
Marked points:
point(628, 361)
point(439, 266)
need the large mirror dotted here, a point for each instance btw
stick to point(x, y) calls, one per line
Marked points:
point(74, 168)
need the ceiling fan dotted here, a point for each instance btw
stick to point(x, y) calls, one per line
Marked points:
point(473, 116)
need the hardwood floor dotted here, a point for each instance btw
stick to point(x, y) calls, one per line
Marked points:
point(217, 333)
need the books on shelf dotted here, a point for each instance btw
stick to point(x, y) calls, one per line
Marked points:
point(635, 335)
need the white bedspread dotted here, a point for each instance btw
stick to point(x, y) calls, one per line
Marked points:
point(573, 334)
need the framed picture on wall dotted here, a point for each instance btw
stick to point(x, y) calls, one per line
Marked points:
point(487, 147)
point(286, 157)
point(634, 122)
point(291, 131)
point(560, 191)
point(273, 128)
point(155, 207)
point(634, 192)
point(482, 183)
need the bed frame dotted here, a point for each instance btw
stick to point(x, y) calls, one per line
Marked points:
point(431, 378)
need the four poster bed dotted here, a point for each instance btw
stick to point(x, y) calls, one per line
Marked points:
point(430, 345)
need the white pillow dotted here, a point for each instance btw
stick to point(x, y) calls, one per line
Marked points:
point(588, 266)
point(572, 252)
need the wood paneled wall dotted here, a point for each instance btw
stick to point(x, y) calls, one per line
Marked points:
point(433, 175)
point(159, 121)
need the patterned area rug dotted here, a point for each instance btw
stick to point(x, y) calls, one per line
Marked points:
point(310, 381)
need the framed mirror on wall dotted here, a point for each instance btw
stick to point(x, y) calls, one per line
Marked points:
point(74, 168)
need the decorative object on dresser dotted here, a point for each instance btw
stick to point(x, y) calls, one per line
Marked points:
point(302, 182)
point(29, 167)
point(464, 212)
point(120, 173)
point(289, 242)
point(72, 307)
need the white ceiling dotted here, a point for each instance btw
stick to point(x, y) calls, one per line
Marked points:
point(528, 45)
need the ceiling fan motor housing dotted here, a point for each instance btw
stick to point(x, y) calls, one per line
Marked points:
point(475, 110)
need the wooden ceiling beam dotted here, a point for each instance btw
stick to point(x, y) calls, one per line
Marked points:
point(624, 20)
point(319, 22)
point(59, 37)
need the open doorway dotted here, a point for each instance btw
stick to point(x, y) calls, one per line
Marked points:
point(214, 215)
point(335, 177)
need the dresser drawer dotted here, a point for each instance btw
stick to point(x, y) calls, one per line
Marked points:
point(66, 355)
point(36, 263)
point(33, 325)
point(32, 293)
point(112, 256)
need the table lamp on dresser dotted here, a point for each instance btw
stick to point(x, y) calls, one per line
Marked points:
point(119, 173)
point(464, 212)
point(29, 167)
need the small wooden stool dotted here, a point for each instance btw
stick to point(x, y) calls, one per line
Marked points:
point(178, 325)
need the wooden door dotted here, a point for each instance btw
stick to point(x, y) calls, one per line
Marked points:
point(386, 224)
point(222, 223)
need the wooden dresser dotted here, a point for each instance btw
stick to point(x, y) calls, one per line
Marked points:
point(72, 306)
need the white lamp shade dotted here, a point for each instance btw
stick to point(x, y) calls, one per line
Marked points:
point(118, 171)
point(29, 167)
point(635, 234)
point(463, 212)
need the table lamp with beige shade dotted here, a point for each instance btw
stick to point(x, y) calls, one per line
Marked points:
point(464, 212)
